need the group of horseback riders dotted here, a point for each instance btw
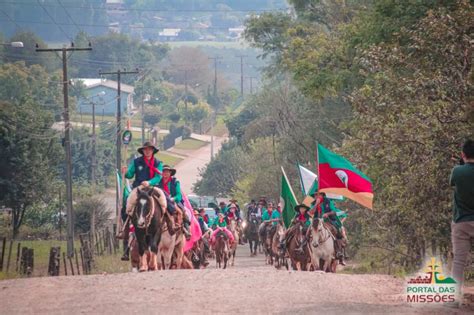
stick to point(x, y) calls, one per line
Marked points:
point(148, 172)
point(305, 216)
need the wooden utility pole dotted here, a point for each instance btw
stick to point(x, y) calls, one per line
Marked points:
point(241, 74)
point(216, 59)
point(118, 142)
point(251, 84)
point(67, 143)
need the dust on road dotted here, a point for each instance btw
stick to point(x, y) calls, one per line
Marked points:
point(248, 287)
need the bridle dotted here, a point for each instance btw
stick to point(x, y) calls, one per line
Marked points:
point(148, 217)
point(320, 229)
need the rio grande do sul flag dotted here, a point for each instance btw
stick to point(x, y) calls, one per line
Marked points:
point(339, 176)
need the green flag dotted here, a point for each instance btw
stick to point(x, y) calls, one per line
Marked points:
point(287, 200)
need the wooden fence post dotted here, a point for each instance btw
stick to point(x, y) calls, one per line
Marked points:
point(18, 257)
point(9, 255)
point(2, 254)
point(71, 265)
point(77, 263)
point(65, 264)
point(54, 261)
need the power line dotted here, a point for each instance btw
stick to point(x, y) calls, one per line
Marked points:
point(70, 17)
point(5, 13)
point(52, 19)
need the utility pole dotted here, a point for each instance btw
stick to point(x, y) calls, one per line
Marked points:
point(118, 142)
point(67, 143)
point(186, 96)
point(216, 59)
point(251, 84)
point(241, 74)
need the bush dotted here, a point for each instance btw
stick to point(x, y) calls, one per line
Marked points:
point(83, 212)
point(174, 117)
point(186, 132)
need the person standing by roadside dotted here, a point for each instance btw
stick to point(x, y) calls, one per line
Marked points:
point(462, 226)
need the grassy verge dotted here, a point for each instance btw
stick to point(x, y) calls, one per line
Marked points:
point(41, 257)
point(103, 264)
point(190, 144)
point(168, 159)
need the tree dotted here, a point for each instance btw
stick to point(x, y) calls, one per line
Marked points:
point(152, 116)
point(29, 159)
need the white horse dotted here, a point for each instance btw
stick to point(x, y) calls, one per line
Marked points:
point(323, 248)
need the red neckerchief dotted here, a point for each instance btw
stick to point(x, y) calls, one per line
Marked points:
point(319, 207)
point(302, 217)
point(165, 185)
point(151, 166)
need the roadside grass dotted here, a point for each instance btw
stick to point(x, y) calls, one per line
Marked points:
point(102, 264)
point(41, 257)
point(190, 144)
point(168, 159)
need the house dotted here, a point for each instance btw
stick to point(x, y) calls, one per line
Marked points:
point(169, 34)
point(103, 93)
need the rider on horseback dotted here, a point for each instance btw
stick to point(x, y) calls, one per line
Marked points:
point(220, 224)
point(147, 171)
point(171, 186)
point(326, 210)
point(270, 216)
point(301, 221)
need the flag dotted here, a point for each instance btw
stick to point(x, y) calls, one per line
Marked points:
point(126, 189)
point(309, 183)
point(287, 200)
point(339, 176)
point(194, 228)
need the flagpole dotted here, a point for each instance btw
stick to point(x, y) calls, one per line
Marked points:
point(317, 166)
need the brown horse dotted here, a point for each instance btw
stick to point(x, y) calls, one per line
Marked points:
point(299, 260)
point(221, 249)
point(278, 251)
point(233, 248)
point(147, 219)
point(170, 249)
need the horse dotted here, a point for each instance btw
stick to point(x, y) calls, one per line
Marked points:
point(221, 249)
point(251, 233)
point(147, 219)
point(278, 249)
point(266, 241)
point(170, 249)
point(323, 247)
point(233, 248)
point(299, 260)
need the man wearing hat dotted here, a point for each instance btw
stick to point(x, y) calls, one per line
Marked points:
point(326, 210)
point(302, 217)
point(147, 171)
point(221, 209)
point(171, 186)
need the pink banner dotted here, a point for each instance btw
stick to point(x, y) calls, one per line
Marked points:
point(194, 228)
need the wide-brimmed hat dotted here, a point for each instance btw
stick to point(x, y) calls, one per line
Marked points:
point(233, 200)
point(148, 144)
point(301, 205)
point(169, 168)
point(232, 205)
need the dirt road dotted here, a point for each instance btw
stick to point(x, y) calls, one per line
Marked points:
point(188, 169)
point(248, 287)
